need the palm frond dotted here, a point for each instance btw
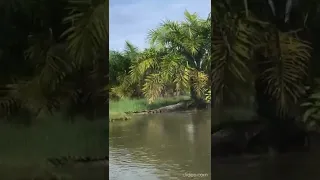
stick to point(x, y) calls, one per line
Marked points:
point(200, 82)
point(153, 87)
point(190, 38)
point(288, 68)
point(147, 60)
point(233, 46)
point(88, 33)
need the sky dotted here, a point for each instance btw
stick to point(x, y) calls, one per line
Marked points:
point(131, 20)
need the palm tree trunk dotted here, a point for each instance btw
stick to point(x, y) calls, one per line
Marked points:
point(193, 94)
point(266, 106)
point(198, 101)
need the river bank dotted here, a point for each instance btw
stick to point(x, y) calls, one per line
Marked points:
point(121, 109)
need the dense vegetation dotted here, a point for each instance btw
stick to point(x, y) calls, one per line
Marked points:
point(176, 63)
point(269, 50)
point(53, 55)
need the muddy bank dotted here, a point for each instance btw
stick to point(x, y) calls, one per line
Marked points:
point(181, 106)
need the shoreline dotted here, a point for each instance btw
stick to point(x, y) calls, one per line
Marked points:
point(171, 104)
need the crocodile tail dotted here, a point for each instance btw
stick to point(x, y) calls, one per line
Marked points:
point(61, 160)
point(58, 161)
point(82, 159)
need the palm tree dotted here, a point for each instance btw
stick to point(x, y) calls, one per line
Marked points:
point(119, 69)
point(66, 54)
point(249, 53)
point(179, 55)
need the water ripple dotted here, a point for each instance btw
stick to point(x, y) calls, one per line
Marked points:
point(161, 147)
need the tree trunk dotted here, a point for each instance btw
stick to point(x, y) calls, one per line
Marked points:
point(198, 101)
point(266, 107)
point(193, 92)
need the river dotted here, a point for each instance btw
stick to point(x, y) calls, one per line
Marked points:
point(161, 147)
point(25, 150)
point(293, 166)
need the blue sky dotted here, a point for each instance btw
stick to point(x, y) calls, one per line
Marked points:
point(132, 19)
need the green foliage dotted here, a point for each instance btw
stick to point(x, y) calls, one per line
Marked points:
point(288, 60)
point(208, 96)
point(131, 105)
point(246, 49)
point(232, 50)
point(311, 107)
point(63, 57)
point(88, 33)
point(119, 69)
point(178, 61)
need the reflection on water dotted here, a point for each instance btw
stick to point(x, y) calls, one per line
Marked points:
point(293, 166)
point(163, 146)
point(24, 150)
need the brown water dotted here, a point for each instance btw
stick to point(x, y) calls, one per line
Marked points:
point(161, 147)
point(293, 166)
point(24, 150)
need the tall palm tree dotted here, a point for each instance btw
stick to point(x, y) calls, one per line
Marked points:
point(257, 55)
point(119, 68)
point(179, 54)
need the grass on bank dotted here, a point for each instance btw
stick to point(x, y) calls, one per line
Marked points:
point(118, 109)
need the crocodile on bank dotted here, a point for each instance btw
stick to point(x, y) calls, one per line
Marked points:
point(119, 118)
point(185, 105)
point(79, 160)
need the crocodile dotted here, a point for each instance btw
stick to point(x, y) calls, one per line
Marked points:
point(170, 108)
point(155, 111)
point(78, 160)
point(120, 118)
